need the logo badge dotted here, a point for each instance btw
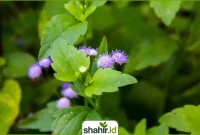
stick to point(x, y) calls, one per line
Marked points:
point(107, 127)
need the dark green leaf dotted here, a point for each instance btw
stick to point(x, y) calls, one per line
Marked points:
point(108, 80)
point(10, 97)
point(18, 64)
point(68, 62)
point(93, 6)
point(50, 9)
point(41, 120)
point(46, 90)
point(69, 120)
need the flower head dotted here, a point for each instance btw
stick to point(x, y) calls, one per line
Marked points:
point(89, 51)
point(105, 61)
point(65, 85)
point(45, 62)
point(63, 103)
point(119, 56)
point(34, 71)
point(69, 93)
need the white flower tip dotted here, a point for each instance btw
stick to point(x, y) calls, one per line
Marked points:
point(82, 69)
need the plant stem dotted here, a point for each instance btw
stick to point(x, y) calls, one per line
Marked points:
point(85, 102)
point(174, 67)
point(92, 102)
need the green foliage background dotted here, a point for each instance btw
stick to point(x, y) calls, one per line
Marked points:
point(160, 37)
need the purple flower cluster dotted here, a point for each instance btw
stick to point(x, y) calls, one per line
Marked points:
point(108, 60)
point(35, 70)
point(89, 51)
point(67, 94)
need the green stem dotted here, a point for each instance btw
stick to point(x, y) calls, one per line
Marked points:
point(91, 102)
point(85, 102)
point(174, 67)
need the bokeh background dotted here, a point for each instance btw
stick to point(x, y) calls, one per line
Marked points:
point(164, 59)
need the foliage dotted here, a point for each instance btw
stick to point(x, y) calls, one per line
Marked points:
point(155, 90)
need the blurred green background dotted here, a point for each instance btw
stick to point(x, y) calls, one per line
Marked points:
point(164, 59)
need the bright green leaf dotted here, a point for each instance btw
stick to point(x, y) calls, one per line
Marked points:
point(61, 27)
point(10, 97)
point(140, 128)
point(186, 119)
point(69, 120)
point(108, 80)
point(161, 129)
point(122, 131)
point(166, 9)
point(68, 62)
point(18, 64)
point(75, 10)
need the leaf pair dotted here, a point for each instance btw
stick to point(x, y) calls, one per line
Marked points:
point(79, 11)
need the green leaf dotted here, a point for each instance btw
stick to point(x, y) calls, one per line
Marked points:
point(41, 120)
point(61, 27)
point(186, 119)
point(69, 120)
point(93, 6)
point(75, 10)
point(18, 64)
point(46, 90)
point(140, 128)
point(10, 97)
point(161, 129)
point(166, 9)
point(145, 54)
point(50, 9)
point(100, 14)
point(108, 80)
point(78, 87)
point(122, 131)
point(103, 48)
point(68, 62)
point(2, 61)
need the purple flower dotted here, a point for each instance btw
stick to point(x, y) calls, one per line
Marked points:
point(88, 50)
point(85, 49)
point(105, 61)
point(45, 62)
point(65, 85)
point(119, 56)
point(69, 93)
point(63, 103)
point(34, 71)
